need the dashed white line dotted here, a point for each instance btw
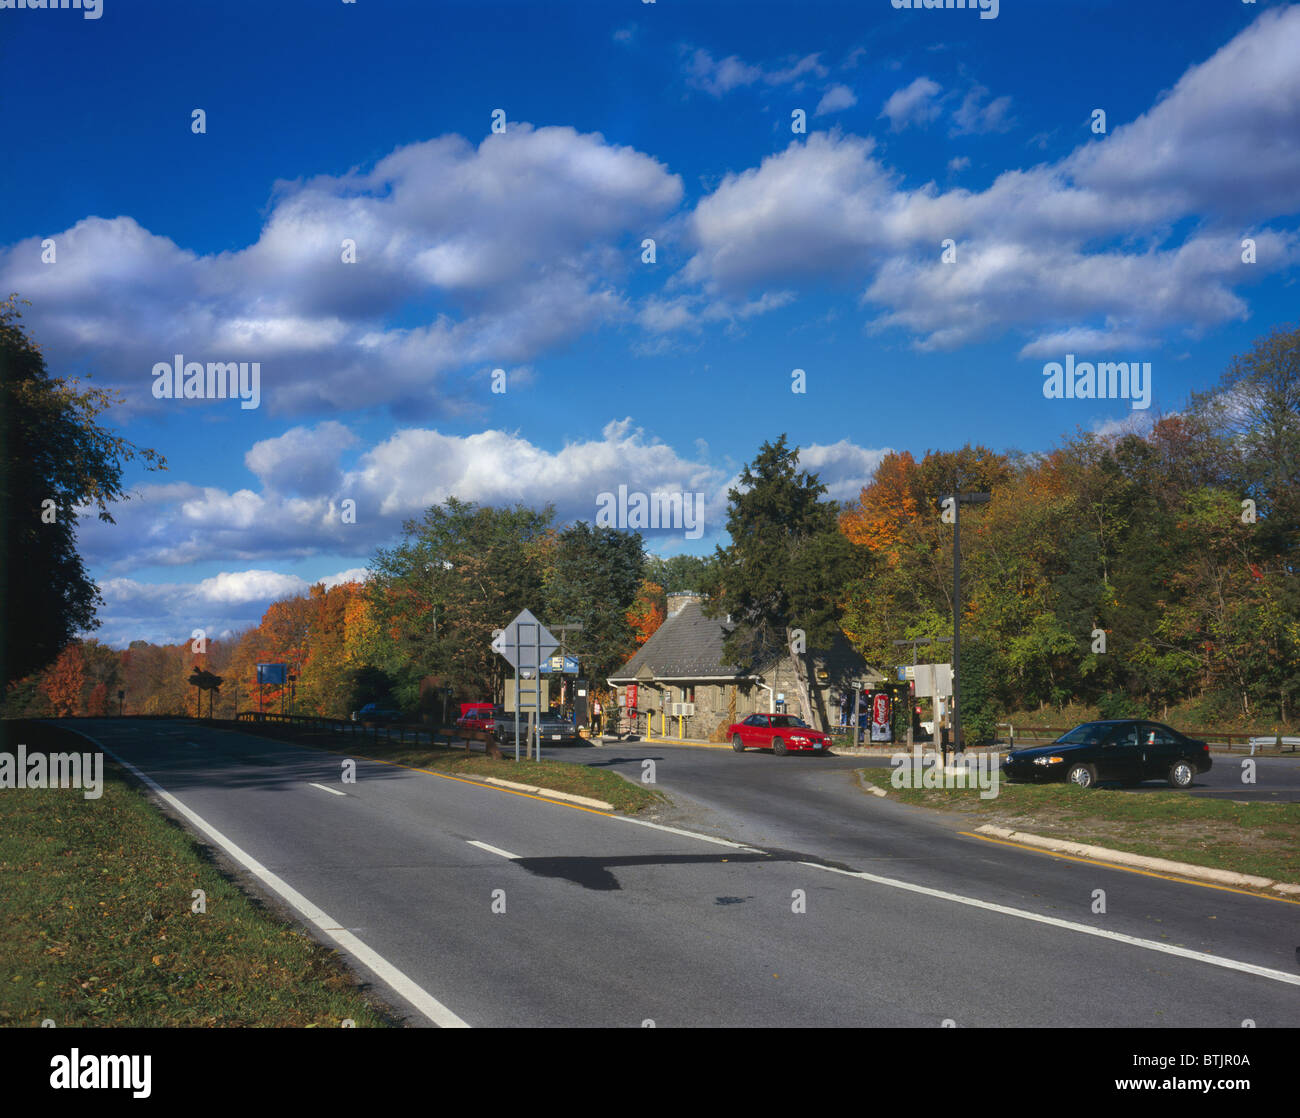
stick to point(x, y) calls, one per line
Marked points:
point(404, 985)
point(689, 834)
point(1070, 925)
point(326, 788)
point(493, 849)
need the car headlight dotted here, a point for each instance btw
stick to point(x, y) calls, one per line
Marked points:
point(1053, 760)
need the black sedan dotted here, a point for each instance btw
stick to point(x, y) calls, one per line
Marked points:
point(1127, 751)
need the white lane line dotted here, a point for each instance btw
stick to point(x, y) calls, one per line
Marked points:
point(493, 849)
point(689, 834)
point(326, 788)
point(1070, 925)
point(407, 987)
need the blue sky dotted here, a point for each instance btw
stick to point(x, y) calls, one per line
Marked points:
point(521, 251)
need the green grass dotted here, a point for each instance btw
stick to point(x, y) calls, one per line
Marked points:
point(1253, 838)
point(96, 921)
point(558, 776)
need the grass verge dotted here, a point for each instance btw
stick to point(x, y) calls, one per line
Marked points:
point(1253, 838)
point(558, 776)
point(97, 921)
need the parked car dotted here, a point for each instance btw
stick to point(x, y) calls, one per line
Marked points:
point(552, 728)
point(373, 712)
point(1127, 751)
point(780, 733)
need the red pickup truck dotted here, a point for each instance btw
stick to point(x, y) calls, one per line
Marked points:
point(476, 716)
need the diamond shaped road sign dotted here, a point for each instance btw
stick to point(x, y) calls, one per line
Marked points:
point(526, 643)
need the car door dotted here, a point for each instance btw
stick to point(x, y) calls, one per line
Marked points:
point(1121, 755)
point(1160, 747)
point(747, 730)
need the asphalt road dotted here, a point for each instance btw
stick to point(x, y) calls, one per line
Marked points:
point(607, 922)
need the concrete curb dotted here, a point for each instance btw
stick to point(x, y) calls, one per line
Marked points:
point(869, 787)
point(550, 793)
point(1139, 861)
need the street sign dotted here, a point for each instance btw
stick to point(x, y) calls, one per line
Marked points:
point(526, 643)
point(566, 664)
point(933, 680)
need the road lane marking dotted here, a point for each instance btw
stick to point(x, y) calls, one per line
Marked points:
point(493, 849)
point(689, 834)
point(1070, 925)
point(478, 783)
point(1126, 869)
point(407, 987)
point(326, 788)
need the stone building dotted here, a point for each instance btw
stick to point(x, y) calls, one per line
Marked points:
point(683, 663)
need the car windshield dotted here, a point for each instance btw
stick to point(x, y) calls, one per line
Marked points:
point(787, 720)
point(1090, 733)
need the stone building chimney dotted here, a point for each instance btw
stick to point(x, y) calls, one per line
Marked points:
point(678, 598)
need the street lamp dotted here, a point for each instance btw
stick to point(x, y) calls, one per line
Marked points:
point(952, 503)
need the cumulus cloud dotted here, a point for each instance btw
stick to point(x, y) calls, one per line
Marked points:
point(226, 603)
point(395, 480)
point(914, 104)
point(505, 250)
point(836, 99)
point(1082, 245)
point(303, 460)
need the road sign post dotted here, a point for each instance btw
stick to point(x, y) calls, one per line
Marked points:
point(526, 643)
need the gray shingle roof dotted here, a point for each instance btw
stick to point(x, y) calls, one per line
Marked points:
point(687, 645)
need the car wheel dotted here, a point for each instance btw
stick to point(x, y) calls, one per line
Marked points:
point(1085, 776)
point(778, 747)
point(1181, 774)
point(737, 744)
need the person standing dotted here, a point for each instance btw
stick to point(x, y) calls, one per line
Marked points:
point(596, 712)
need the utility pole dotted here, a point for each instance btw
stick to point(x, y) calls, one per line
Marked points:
point(957, 499)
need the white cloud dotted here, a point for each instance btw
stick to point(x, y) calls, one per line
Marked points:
point(976, 114)
point(916, 103)
point(836, 99)
point(512, 246)
point(303, 460)
point(1079, 248)
point(719, 77)
point(226, 603)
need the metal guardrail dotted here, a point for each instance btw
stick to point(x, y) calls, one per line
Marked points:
point(371, 730)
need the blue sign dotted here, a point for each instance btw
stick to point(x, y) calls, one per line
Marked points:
point(567, 664)
point(272, 673)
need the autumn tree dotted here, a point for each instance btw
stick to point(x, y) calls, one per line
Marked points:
point(55, 457)
point(65, 680)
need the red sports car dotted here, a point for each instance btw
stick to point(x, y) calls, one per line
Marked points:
point(780, 733)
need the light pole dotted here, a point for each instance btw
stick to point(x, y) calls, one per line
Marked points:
point(953, 503)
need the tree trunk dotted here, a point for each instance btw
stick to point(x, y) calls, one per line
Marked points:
point(800, 681)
